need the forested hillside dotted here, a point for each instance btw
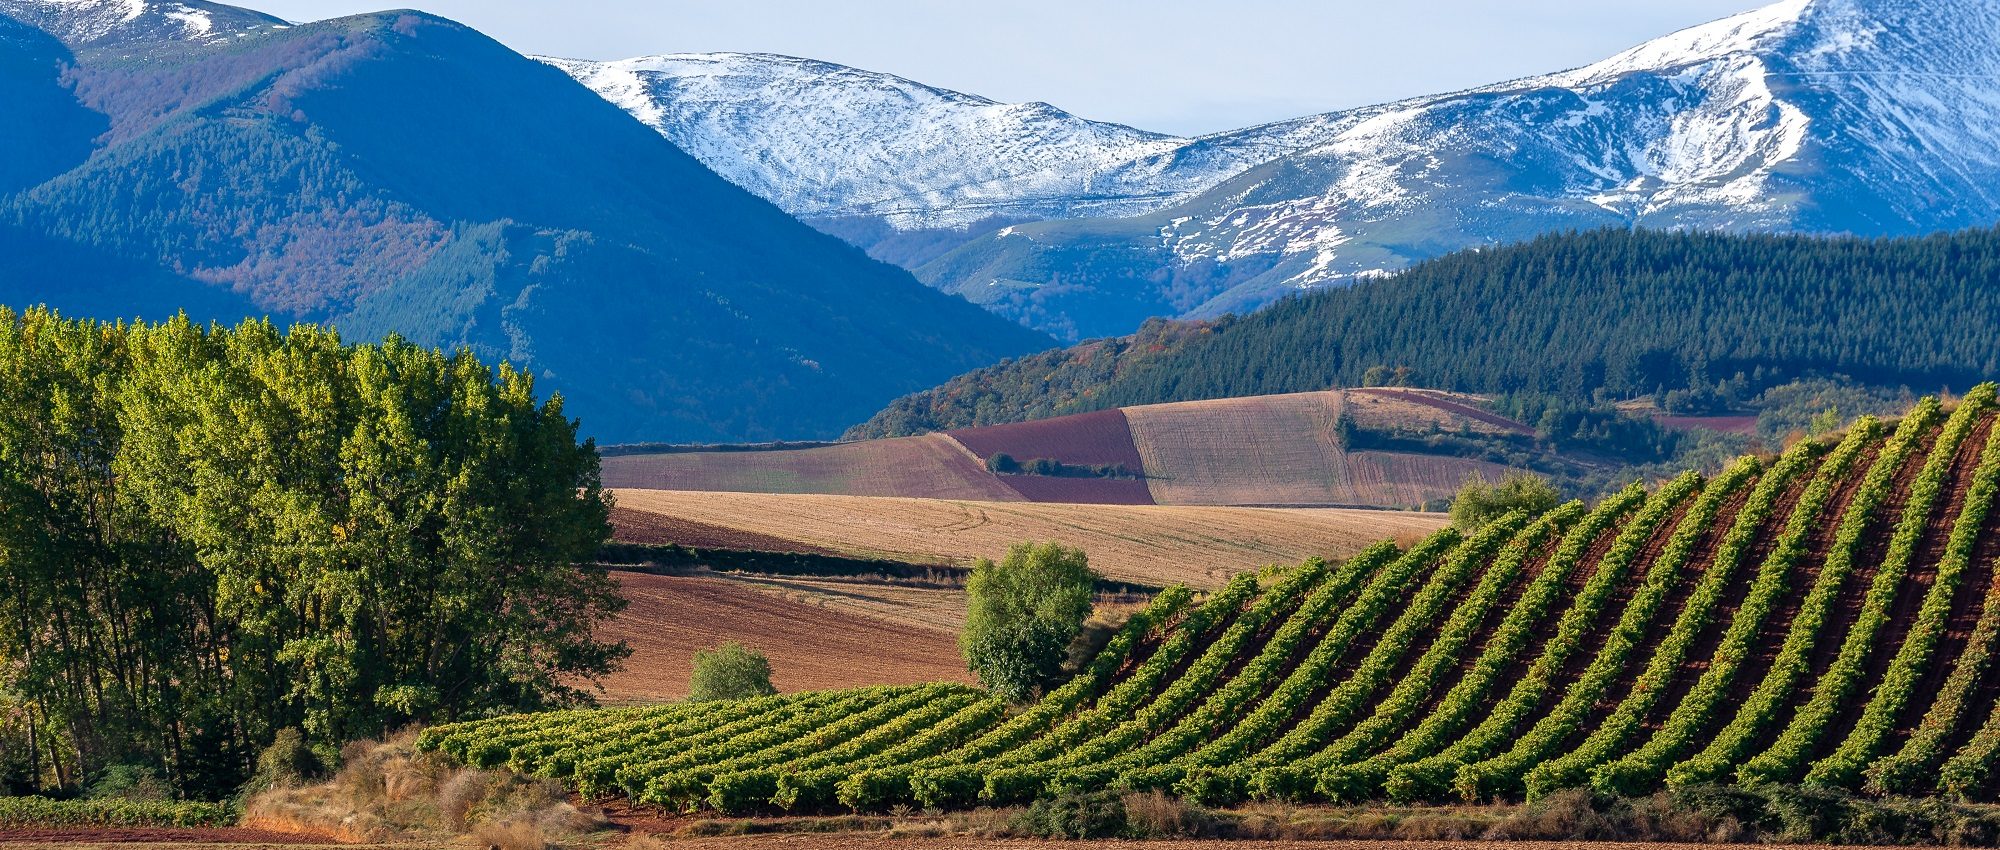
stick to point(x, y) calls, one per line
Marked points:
point(400, 173)
point(1611, 312)
point(1827, 617)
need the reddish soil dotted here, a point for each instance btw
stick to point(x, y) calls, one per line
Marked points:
point(630, 526)
point(933, 466)
point(1681, 587)
point(1870, 553)
point(158, 836)
point(1613, 610)
point(1703, 646)
point(810, 647)
point(1977, 595)
point(1777, 625)
point(1449, 406)
point(1102, 438)
point(1921, 577)
point(867, 841)
point(1079, 491)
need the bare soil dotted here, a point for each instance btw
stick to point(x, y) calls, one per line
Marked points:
point(811, 646)
point(876, 842)
point(931, 466)
point(238, 838)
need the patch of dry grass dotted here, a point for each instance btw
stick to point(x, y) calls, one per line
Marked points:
point(386, 792)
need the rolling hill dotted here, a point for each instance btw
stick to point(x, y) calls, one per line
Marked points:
point(1146, 545)
point(1866, 117)
point(1366, 448)
point(401, 173)
point(1578, 316)
point(1827, 617)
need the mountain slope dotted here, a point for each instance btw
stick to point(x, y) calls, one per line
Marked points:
point(890, 163)
point(1624, 313)
point(400, 173)
point(1824, 618)
point(1872, 117)
point(1875, 117)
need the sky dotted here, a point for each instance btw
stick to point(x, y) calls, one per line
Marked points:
point(1173, 66)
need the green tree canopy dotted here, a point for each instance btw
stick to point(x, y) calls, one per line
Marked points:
point(211, 534)
point(1479, 501)
point(1024, 612)
point(730, 671)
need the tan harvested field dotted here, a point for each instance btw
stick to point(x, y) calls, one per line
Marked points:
point(933, 466)
point(1202, 546)
point(1285, 450)
point(1259, 450)
point(873, 636)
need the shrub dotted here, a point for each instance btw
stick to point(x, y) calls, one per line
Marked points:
point(1075, 816)
point(1480, 502)
point(136, 783)
point(1024, 613)
point(730, 672)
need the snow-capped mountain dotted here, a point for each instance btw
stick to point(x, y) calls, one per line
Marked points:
point(1866, 116)
point(1861, 116)
point(827, 141)
point(105, 22)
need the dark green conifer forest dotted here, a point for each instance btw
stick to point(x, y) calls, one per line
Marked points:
point(1578, 316)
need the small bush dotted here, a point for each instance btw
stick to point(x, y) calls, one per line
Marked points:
point(132, 782)
point(729, 672)
point(287, 762)
point(1075, 816)
point(1479, 502)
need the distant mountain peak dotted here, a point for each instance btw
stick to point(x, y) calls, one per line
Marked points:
point(827, 141)
point(87, 22)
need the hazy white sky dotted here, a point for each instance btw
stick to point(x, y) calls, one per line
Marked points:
point(1177, 66)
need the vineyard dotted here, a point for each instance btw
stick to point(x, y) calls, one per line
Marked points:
point(1827, 617)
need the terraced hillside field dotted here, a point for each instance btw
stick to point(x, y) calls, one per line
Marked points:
point(1262, 450)
point(1827, 617)
point(1152, 545)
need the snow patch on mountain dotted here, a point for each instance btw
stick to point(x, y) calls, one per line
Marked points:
point(827, 141)
point(79, 23)
point(1817, 115)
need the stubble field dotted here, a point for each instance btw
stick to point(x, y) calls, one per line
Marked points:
point(1157, 545)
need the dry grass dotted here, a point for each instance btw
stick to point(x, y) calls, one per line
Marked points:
point(1284, 450)
point(932, 466)
point(385, 792)
point(838, 644)
point(1202, 546)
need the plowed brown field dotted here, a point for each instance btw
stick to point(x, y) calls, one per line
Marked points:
point(1285, 450)
point(1259, 450)
point(933, 466)
point(1202, 546)
point(811, 646)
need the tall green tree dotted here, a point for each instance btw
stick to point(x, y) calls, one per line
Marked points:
point(208, 535)
point(1024, 613)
